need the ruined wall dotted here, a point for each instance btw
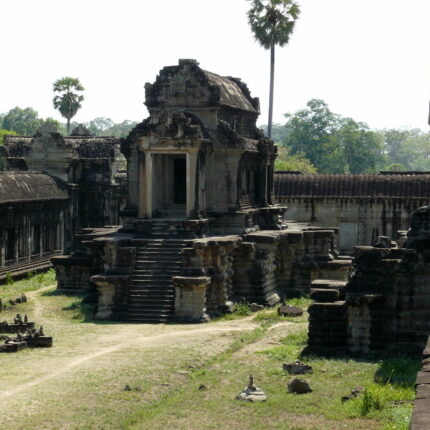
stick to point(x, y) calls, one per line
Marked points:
point(387, 301)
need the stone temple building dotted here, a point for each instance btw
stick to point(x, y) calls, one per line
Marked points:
point(34, 211)
point(201, 228)
point(51, 188)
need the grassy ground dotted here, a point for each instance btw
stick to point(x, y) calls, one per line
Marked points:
point(114, 376)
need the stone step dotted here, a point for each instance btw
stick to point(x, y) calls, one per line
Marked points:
point(159, 252)
point(149, 315)
point(155, 273)
point(163, 299)
point(324, 294)
point(149, 319)
point(158, 260)
point(143, 292)
point(150, 308)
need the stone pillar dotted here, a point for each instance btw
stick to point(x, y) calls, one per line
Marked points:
point(191, 183)
point(145, 186)
point(2, 247)
point(190, 298)
point(28, 228)
point(106, 300)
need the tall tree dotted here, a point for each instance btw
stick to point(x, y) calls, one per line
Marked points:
point(312, 133)
point(272, 22)
point(362, 148)
point(25, 122)
point(68, 100)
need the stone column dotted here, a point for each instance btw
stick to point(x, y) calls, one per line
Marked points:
point(2, 247)
point(191, 183)
point(190, 298)
point(145, 186)
point(28, 227)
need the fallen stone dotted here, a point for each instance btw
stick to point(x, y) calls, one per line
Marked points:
point(290, 311)
point(297, 368)
point(299, 386)
point(255, 307)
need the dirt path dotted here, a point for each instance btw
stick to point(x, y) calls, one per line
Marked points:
point(120, 338)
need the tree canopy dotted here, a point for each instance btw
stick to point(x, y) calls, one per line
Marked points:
point(68, 100)
point(335, 144)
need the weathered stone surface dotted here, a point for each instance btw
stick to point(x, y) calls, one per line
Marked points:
point(299, 386)
point(290, 311)
point(256, 307)
point(252, 395)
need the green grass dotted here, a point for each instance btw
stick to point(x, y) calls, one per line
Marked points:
point(389, 384)
point(31, 283)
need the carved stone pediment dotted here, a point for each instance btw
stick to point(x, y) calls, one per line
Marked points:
point(174, 125)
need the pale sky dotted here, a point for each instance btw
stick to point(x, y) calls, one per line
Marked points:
point(368, 59)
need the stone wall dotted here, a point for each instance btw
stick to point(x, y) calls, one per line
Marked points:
point(421, 414)
point(362, 207)
point(387, 301)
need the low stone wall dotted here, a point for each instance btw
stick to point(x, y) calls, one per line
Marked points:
point(261, 267)
point(421, 414)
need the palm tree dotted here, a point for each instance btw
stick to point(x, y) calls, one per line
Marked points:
point(272, 22)
point(67, 101)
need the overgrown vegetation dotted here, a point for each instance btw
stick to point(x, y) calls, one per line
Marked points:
point(388, 384)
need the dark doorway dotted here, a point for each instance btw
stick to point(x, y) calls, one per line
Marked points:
point(179, 181)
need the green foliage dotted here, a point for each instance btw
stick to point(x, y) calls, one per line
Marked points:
point(68, 100)
point(6, 133)
point(407, 149)
point(54, 124)
point(9, 279)
point(106, 127)
point(24, 122)
point(296, 162)
point(279, 132)
point(312, 133)
point(362, 148)
point(396, 167)
point(273, 21)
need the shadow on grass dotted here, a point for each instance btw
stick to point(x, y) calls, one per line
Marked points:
point(396, 368)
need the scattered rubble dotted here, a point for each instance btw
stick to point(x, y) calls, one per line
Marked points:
point(290, 311)
point(297, 368)
point(299, 386)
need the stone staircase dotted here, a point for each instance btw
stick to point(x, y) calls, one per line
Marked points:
point(151, 296)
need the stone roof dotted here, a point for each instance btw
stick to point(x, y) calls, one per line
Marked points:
point(17, 187)
point(359, 186)
point(232, 92)
point(187, 85)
